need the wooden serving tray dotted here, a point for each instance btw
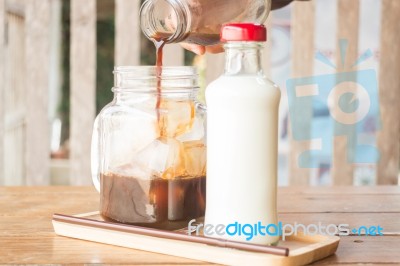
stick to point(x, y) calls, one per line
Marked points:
point(91, 226)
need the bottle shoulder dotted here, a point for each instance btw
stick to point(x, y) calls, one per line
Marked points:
point(246, 84)
point(259, 80)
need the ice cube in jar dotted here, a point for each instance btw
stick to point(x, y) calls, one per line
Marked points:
point(175, 117)
point(195, 158)
point(164, 157)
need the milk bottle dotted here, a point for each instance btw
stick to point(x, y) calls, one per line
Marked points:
point(242, 126)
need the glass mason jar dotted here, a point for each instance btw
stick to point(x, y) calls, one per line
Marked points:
point(148, 147)
point(197, 21)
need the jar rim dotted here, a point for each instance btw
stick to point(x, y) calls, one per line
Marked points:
point(169, 70)
point(147, 78)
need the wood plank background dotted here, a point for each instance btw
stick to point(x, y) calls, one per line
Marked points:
point(173, 55)
point(127, 33)
point(14, 93)
point(388, 138)
point(83, 88)
point(302, 34)
point(2, 87)
point(347, 29)
point(28, 126)
point(37, 32)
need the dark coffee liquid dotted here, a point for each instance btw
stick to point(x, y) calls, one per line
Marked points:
point(128, 199)
point(202, 38)
point(159, 44)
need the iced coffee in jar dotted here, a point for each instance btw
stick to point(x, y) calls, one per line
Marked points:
point(148, 148)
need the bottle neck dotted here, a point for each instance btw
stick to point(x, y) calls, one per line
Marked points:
point(243, 58)
point(166, 20)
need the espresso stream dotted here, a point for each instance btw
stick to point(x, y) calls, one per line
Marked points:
point(159, 44)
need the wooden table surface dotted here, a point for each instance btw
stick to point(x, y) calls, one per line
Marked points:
point(26, 233)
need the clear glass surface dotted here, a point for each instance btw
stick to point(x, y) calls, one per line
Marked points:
point(149, 147)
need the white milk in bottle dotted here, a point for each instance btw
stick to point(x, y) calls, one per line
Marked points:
point(242, 127)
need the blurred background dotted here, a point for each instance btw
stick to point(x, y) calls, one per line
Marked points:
point(57, 57)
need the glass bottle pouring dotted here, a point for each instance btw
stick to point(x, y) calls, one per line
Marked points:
point(197, 21)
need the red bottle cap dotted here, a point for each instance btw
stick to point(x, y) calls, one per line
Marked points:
point(243, 32)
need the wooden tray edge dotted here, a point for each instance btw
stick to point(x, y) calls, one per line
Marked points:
point(316, 251)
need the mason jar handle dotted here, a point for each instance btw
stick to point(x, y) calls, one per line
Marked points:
point(95, 162)
point(201, 106)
